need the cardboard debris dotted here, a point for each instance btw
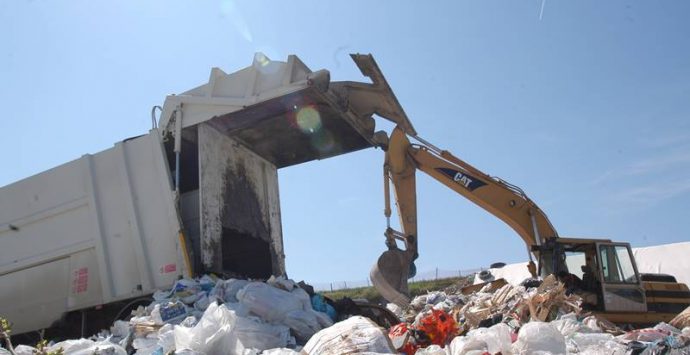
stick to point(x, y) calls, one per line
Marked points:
point(682, 320)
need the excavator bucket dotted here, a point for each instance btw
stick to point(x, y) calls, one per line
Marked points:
point(389, 276)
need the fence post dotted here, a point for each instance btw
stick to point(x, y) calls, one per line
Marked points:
point(331, 287)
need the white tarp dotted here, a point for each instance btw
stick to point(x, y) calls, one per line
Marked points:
point(669, 259)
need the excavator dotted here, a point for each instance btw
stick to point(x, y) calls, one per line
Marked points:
point(603, 272)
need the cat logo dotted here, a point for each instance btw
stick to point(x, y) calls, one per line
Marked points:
point(467, 181)
point(462, 179)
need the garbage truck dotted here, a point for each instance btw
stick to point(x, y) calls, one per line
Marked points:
point(85, 241)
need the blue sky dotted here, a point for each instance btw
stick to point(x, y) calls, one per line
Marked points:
point(585, 105)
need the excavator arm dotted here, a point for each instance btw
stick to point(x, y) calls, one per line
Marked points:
point(503, 200)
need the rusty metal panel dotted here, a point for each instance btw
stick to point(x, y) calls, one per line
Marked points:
point(240, 213)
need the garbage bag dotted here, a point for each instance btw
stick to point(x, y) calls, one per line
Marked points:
point(280, 351)
point(146, 345)
point(354, 335)
point(431, 350)
point(281, 282)
point(397, 310)
point(584, 341)
point(539, 336)
point(497, 338)
point(464, 345)
point(24, 350)
point(303, 324)
point(608, 348)
point(303, 297)
point(226, 290)
point(269, 303)
point(569, 325)
point(402, 338)
point(252, 333)
point(100, 348)
point(211, 335)
point(166, 338)
point(318, 303)
point(72, 345)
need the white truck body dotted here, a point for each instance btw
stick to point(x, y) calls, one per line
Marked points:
point(95, 230)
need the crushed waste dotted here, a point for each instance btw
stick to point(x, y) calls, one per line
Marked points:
point(209, 315)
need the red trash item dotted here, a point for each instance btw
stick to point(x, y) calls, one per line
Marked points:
point(439, 327)
point(402, 339)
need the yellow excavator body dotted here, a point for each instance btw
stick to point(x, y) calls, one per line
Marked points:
point(606, 275)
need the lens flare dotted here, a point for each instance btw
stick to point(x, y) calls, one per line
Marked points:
point(261, 59)
point(308, 120)
point(324, 142)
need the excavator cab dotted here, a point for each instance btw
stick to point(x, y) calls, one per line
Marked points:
point(603, 273)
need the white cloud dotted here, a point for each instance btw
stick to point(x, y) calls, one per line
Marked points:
point(659, 164)
point(652, 193)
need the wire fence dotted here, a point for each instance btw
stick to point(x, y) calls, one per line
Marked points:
point(434, 274)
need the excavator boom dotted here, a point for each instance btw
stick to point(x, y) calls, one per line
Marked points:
point(503, 200)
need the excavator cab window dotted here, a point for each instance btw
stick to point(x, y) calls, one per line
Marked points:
point(574, 261)
point(616, 264)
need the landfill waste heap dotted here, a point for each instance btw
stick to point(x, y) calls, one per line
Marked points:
point(209, 315)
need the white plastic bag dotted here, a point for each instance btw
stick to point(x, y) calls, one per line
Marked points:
point(211, 335)
point(254, 334)
point(569, 326)
point(354, 335)
point(304, 297)
point(594, 343)
point(100, 348)
point(324, 320)
point(539, 336)
point(497, 338)
point(73, 345)
point(281, 282)
point(463, 345)
point(280, 351)
point(227, 290)
point(267, 302)
point(24, 350)
point(585, 340)
point(397, 310)
point(431, 350)
point(304, 324)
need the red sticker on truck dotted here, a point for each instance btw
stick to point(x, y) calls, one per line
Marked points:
point(80, 280)
point(168, 268)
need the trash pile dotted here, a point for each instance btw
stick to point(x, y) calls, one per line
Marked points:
point(213, 316)
point(280, 317)
point(522, 320)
